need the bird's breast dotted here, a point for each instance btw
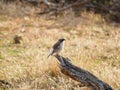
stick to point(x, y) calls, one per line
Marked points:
point(62, 45)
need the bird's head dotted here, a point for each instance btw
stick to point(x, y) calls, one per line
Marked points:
point(61, 40)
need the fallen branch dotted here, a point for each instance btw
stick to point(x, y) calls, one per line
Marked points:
point(81, 75)
point(50, 3)
point(57, 8)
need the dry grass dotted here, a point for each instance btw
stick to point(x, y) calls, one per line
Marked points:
point(91, 43)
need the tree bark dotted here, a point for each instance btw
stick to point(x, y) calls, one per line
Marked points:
point(81, 75)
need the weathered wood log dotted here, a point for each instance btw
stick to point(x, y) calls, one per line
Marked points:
point(81, 75)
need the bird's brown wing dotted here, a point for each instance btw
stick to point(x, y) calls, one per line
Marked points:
point(56, 46)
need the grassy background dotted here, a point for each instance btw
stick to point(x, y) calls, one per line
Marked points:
point(91, 43)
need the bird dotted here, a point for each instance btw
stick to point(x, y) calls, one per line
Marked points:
point(57, 47)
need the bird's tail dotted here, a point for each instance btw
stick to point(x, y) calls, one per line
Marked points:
point(48, 55)
point(51, 52)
